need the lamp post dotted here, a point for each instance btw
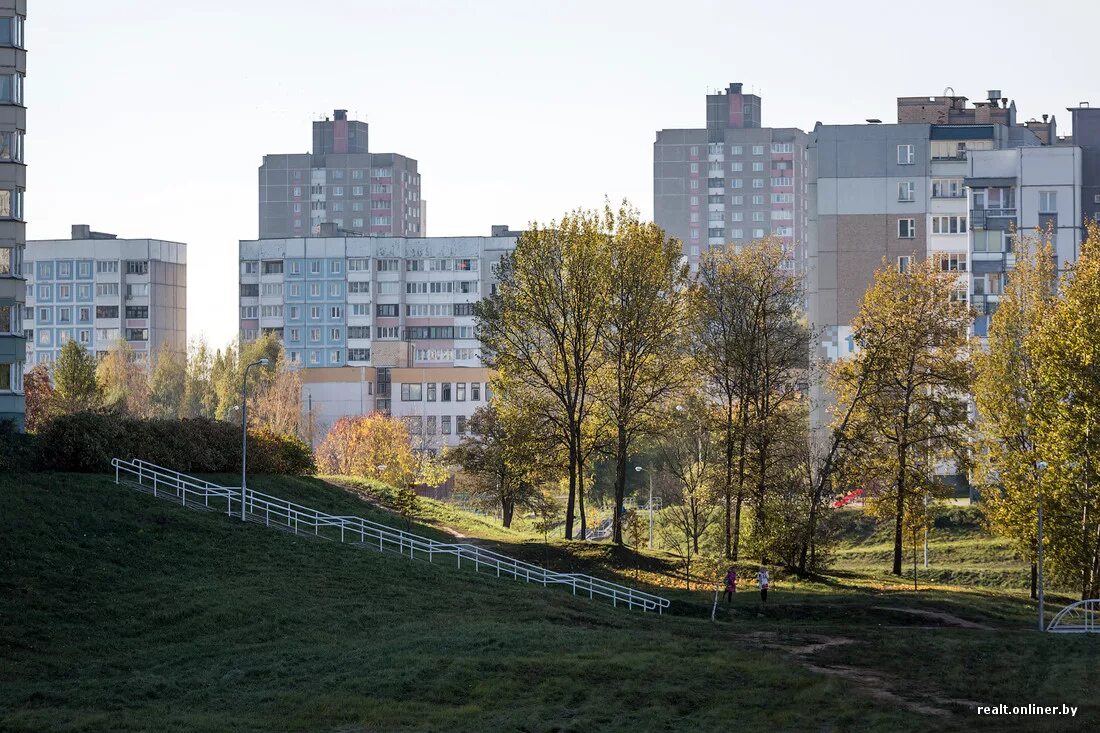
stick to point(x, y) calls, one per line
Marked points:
point(244, 431)
point(650, 472)
point(1041, 466)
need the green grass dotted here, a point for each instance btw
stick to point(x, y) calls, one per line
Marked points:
point(122, 612)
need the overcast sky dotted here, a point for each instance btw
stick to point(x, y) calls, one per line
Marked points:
point(149, 119)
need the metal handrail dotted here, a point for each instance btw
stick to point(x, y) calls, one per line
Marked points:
point(271, 509)
point(1086, 611)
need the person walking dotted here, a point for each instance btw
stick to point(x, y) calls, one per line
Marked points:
point(762, 579)
point(731, 583)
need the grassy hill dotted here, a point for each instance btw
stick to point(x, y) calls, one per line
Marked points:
point(119, 611)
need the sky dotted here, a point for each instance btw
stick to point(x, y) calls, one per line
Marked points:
point(150, 119)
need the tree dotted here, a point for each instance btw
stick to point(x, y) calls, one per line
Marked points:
point(39, 395)
point(750, 343)
point(1009, 395)
point(544, 325)
point(688, 455)
point(644, 337)
point(166, 384)
point(503, 459)
point(912, 370)
point(199, 396)
point(1065, 349)
point(75, 388)
point(123, 381)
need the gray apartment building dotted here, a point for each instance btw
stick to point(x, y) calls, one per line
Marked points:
point(340, 183)
point(13, 179)
point(97, 289)
point(734, 181)
point(893, 192)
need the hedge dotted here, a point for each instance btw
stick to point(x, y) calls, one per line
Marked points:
point(87, 441)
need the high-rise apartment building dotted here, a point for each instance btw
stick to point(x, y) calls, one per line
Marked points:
point(97, 289)
point(732, 182)
point(377, 323)
point(13, 179)
point(340, 183)
point(894, 192)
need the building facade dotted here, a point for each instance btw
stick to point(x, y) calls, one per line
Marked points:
point(1015, 193)
point(732, 182)
point(13, 180)
point(376, 323)
point(893, 193)
point(97, 289)
point(340, 183)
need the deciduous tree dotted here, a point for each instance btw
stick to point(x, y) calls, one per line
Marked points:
point(74, 376)
point(912, 366)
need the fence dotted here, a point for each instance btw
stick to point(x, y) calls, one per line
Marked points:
point(280, 513)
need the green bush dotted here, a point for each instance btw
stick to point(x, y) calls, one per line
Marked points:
point(87, 441)
point(17, 450)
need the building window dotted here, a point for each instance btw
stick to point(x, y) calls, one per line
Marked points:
point(1048, 202)
point(106, 311)
point(11, 146)
point(141, 311)
point(951, 261)
point(460, 424)
point(314, 335)
point(11, 203)
point(475, 391)
point(949, 225)
point(758, 166)
point(907, 229)
point(757, 149)
point(903, 263)
point(11, 32)
point(445, 425)
point(386, 310)
point(905, 155)
point(947, 188)
point(906, 191)
point(11, 88)
point(137, 267)
point(694, 150)
point(412, 392)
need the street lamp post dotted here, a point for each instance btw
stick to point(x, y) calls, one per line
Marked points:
point(650, 472)
point(244, 431)
point(1041, 466)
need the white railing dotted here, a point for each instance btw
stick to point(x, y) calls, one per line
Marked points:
point(275, 512)
point(1082, 617)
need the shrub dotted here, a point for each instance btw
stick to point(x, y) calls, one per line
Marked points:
point(87, 441)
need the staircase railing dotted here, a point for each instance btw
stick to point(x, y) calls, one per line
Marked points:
point(276, 512)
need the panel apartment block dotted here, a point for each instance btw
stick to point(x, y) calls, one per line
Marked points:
point(13, 126)
point(340, 183)
point(97, 289)
point(732, 182)
point(363, 315)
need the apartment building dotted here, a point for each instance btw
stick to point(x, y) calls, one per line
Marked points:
point(1019, 192)
point(13, 181)
point(97, 289)
point(340, 183)
point(734, 181)
point(377, 323)
point(889, 193)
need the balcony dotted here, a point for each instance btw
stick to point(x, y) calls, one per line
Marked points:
point(961, 155)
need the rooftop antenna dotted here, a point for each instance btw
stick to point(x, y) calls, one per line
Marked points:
point(951, 89)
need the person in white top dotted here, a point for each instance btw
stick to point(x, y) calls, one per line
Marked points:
point(762, 579)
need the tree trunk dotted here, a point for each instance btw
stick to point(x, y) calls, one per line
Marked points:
point(900, 509)
point(507, 508)
point(740, 492)
point(736, 525)
point(730, 552)
point(572, 485)
point(580, 492)
point(620, 487)
point(761, 510)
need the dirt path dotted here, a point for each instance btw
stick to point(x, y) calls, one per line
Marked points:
point(946, 618)
point(877, 685)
